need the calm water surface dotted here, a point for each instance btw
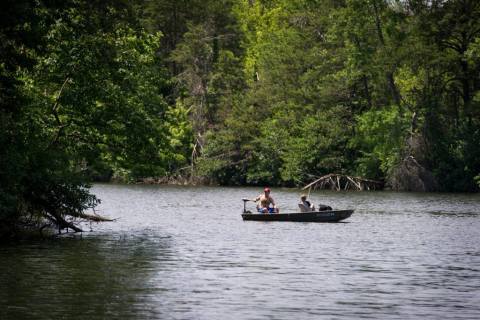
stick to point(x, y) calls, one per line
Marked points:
point(185, 253)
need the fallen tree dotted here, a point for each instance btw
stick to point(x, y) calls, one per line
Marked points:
point(44, 214)
point(339, 182)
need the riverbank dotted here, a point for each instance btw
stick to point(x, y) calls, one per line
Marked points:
point(335, 182)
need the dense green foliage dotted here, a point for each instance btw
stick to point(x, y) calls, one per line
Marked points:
point(83, 94)
point(237, 92)
point(382, 89)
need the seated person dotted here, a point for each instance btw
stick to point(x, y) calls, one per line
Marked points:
point(305, 205)
point(265, 201)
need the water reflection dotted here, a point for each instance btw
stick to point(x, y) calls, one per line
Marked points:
point(92, 277)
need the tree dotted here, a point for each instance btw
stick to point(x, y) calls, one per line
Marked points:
point(87, 90)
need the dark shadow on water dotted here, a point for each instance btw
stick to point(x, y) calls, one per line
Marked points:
point(298, 222)
point(92, 277)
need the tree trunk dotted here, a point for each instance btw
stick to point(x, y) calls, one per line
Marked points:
point(390, 78)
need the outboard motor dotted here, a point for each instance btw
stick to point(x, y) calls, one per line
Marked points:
point(324, 207)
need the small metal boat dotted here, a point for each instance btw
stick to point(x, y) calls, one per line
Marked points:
point(316, 216)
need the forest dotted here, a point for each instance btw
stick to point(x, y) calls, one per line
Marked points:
point(233, 92)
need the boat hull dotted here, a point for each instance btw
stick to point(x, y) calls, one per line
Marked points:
point(318, 216)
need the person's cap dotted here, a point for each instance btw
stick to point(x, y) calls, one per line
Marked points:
point(267, 189)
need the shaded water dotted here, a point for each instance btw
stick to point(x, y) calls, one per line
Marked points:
point(185, 253)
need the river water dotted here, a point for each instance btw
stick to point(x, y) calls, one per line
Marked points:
point(185, 253)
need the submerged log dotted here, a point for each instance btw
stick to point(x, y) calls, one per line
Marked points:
point(344, 182)
point(94, 217)
point(62, 223)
